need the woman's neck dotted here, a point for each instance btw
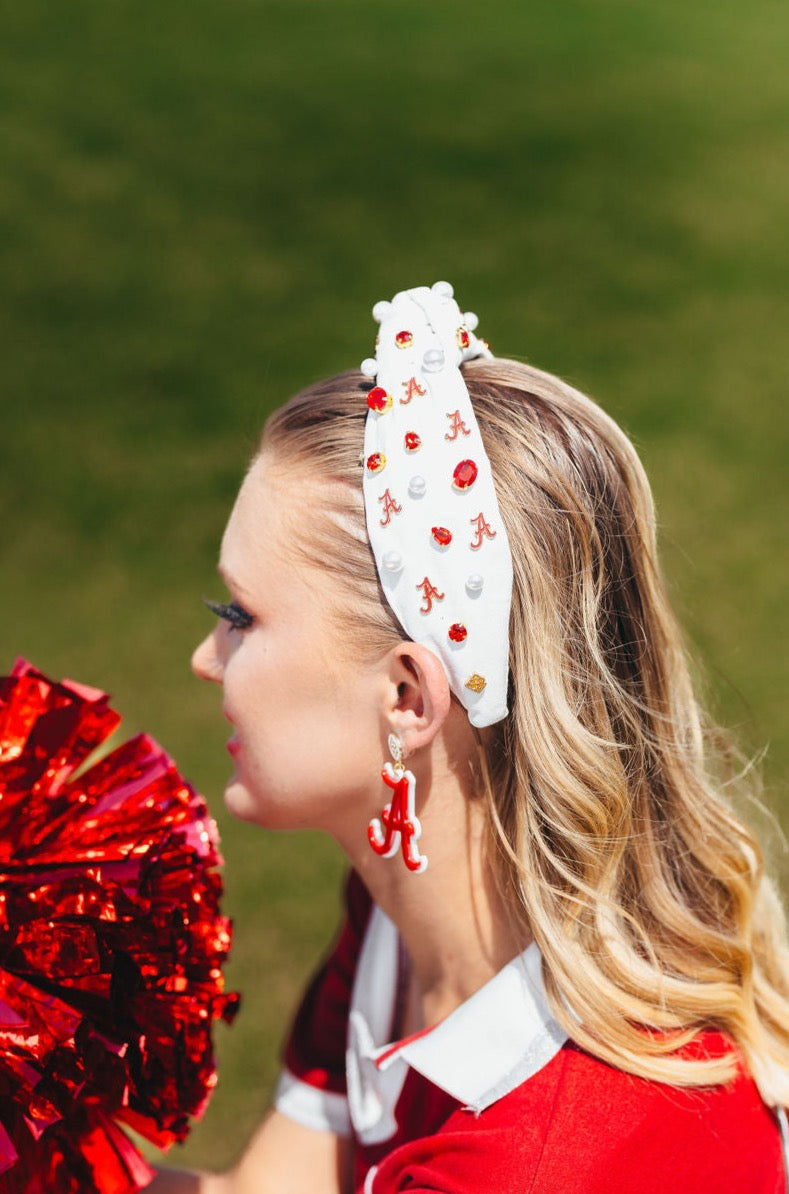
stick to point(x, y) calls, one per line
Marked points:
point(452, 919)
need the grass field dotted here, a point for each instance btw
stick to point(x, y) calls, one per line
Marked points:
point(199, 203)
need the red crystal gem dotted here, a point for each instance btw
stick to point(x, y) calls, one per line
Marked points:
point(404, 339)
point(464, 340)
point(457, 632)
point(412, 441)
point(376, 462)
point(378, 399)
point(442, 536)
point(465, 474)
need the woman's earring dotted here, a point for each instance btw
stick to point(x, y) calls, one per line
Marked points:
point(398, 823)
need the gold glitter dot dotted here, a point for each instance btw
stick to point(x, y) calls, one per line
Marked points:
point(476, 682)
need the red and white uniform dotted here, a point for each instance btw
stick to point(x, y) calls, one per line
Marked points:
point(495, 1097)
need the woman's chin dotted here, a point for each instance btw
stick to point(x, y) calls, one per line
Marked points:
point(248, 805)
point(239, 801)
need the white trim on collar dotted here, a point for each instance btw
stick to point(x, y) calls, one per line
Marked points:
point(502, 1035)
point(497, 1039)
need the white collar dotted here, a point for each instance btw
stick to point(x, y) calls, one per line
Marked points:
point(497, 1039)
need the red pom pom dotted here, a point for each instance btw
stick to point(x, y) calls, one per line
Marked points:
point(111, 944)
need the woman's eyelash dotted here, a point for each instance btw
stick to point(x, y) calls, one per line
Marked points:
point(231, 612)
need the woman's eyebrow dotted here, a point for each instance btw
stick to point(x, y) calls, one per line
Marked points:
point(227, 577)
point(230, 581)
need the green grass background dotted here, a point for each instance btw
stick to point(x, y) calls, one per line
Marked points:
point(199, 203)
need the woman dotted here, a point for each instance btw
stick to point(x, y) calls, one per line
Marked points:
point(587, 988)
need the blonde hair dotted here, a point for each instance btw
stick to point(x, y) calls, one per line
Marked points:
point(609, 793)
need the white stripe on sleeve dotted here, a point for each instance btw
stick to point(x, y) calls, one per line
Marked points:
point(320, 1109)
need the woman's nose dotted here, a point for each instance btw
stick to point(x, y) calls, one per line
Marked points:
point(206, 662)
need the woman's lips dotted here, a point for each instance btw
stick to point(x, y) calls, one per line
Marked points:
point(233, 744)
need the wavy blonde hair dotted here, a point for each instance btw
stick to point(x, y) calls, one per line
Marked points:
point(609, 792)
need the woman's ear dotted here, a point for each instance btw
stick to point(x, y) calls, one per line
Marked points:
point(419, 697)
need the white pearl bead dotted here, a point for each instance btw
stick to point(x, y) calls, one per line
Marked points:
point(443, 289)
point(433, 360)
point(417, 487)
point(392, 561)
point(381, 310)
point(369, 367)
point(475, 583)
point(471, 320)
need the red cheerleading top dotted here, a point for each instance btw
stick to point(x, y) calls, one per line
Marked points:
point(496, 1098)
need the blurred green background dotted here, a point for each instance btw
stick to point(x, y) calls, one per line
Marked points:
point(199, 203)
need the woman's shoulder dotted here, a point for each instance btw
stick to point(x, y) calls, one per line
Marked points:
point(613, 1130)
point(581, 1126)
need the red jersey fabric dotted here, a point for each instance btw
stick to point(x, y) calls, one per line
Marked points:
point(481, 1103)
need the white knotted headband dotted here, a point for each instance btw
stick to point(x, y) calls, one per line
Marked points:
point(432, 514)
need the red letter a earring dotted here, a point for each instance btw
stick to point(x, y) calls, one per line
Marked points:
point(398, 823)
